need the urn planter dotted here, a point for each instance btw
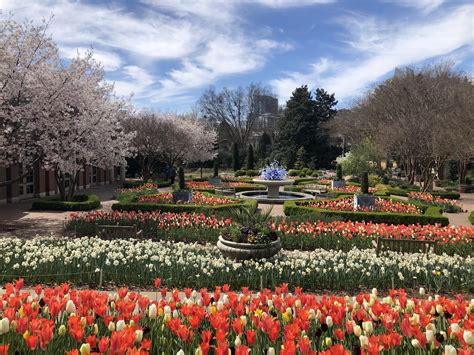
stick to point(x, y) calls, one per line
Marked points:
point(248, 251)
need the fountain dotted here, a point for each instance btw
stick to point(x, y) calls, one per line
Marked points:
point(273, 177)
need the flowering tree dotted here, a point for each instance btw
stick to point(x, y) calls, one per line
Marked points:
point(63, 116)
point(25, 53)
point(170, 138)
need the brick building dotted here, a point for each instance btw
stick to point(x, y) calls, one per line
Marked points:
point(41, 182)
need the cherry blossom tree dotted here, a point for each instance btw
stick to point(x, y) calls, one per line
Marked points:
point(170, 138)
point(63, 116)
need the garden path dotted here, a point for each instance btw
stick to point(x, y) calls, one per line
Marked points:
point(458, 219)
point(17, 220)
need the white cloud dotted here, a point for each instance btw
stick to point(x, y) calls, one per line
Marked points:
point(392, 47)
point(109, 60)
point(137, 81)
point(426, 6)
point(281, 4)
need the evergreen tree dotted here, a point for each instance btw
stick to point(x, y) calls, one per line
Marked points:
point(216, 168)
point(250, 158)
point(300, 158)
point(300, 127)
point(264, 146)
point(235, 157)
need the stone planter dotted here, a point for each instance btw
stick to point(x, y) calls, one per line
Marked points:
point(183, 196)
point(363, 201)
point(338, 184)
point(247, 251)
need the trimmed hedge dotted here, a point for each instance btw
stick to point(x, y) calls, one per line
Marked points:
point(431, 214)
point(131, 205)
point(129, 184)
point(237, 189)
point(471, 217)
point(443, 194)
point(78, 203)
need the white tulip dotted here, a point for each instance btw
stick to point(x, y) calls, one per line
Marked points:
point(120, 325)
point(271, 351)
point(4, 326)
point(422, 291)
point(455, 328)
point(167, 310)
point(415, 343)
point(329, 321)
point(450, 350)
point(357, 331)
point(138, 335)
point(368, 327)
point(181, 352)
point(70, 307)
point(468, 337)
point(364, 341)
point(237, 341)
point(152, 311)
point(429, 336)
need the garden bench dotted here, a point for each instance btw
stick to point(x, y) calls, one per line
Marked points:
point(315, 189)
point(115, 232)
point(405, 245)
point(222, 188)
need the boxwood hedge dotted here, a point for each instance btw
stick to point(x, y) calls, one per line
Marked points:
point(253, 187)
point(396, 191)
point(78, 203)
point(471, 217)
point(431, 214)
point(131, 204)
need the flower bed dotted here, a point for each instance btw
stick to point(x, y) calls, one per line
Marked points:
point(347, 204)
point(197, 199)
point(347, 235)
point(81, 321)
point(304, 235)
point(351, 189)
point(137, 261)
point(447, 205)
point(202, 202)
point(127, 184)
point(205, 186)
point(78, 203)
point(391, 211)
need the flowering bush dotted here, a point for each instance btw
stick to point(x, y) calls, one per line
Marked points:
point(142, 190)
point(381, 205)
point(198, 199)
point(274, 171)
point(446, 204)
point(64, 320)
point(136, 261)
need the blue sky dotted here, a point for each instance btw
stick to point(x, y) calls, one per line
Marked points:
point(168, 51)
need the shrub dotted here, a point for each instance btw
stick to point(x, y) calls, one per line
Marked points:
point(252, 172)
point(364, 184)
point(250, 158)
point(294, 172)
point(78, 203)
point(471, 217)
point(339, 171)
point(240, 173)
point(431, 214)
point(216, 168)
point(131, 204)
point(374, 179)
point(235, 157)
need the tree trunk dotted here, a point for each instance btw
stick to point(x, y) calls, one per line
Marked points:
point(60, 183)
point(462, 167)
point(72, 186)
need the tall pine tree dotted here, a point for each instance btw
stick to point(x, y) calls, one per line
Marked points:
point(300, 126)
point(250, 158)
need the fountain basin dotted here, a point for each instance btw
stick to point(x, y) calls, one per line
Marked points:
point(273, 186)
point(262, 196)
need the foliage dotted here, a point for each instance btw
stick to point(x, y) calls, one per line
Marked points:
point(250, 158)
point(128, 184)
point(301, 127)
point(364, 183)
point(215, 172)
point(235, 157)
point(274, 171)
point(76, 203)
point(300, 158)
point(471, 217)
point(339, 172)
point(264, 146)
point(181, 180)
point(360, 159)
point(240, 173)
